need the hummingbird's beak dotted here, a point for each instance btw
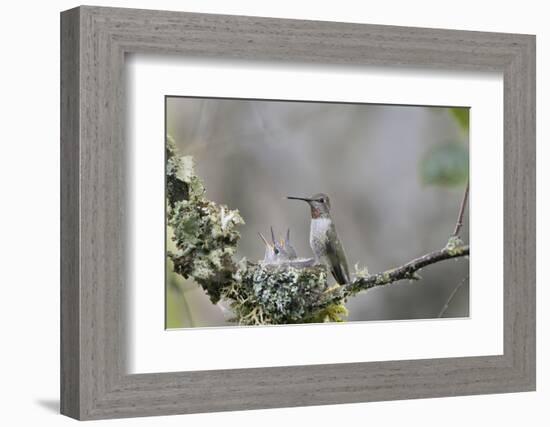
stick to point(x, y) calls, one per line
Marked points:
point(265, 241)
point(305, 199)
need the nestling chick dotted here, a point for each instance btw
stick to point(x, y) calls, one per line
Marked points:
point(284, 247)
point(278, 251)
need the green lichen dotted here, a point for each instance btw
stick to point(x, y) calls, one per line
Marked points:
point(454, 245)
point(204, 232)
point(383, 278)
point(361, 272)
point(336, 312)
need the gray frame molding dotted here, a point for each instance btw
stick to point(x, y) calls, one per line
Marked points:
point(94, 41)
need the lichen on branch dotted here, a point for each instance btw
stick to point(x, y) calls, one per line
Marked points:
point(408, 271)
point(205, 233)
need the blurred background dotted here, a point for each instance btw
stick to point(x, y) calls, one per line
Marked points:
point(395, 176)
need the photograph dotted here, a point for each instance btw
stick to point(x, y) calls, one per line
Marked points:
point(297, 211)
point(272, 209)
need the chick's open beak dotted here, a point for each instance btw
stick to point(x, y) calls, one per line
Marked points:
point(265, 241)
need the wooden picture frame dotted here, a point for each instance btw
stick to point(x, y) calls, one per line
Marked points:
point(94, 382)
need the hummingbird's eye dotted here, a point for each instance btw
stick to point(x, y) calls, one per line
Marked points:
point(276, 251)
point(322, 200)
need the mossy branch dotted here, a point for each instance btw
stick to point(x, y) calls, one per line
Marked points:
point(408, 271)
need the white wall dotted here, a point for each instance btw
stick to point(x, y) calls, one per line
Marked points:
point(29, 226)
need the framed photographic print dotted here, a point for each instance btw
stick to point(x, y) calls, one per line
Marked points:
point(262, 213)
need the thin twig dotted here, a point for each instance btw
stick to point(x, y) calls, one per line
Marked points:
point(406, 271)
point(460, 219)
point(453, 293)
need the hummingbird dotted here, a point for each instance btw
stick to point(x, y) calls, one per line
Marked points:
point(323, 238)
point(278, 251)
point(283, 245)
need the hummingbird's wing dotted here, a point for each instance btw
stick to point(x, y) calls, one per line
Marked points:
point(337, 257)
